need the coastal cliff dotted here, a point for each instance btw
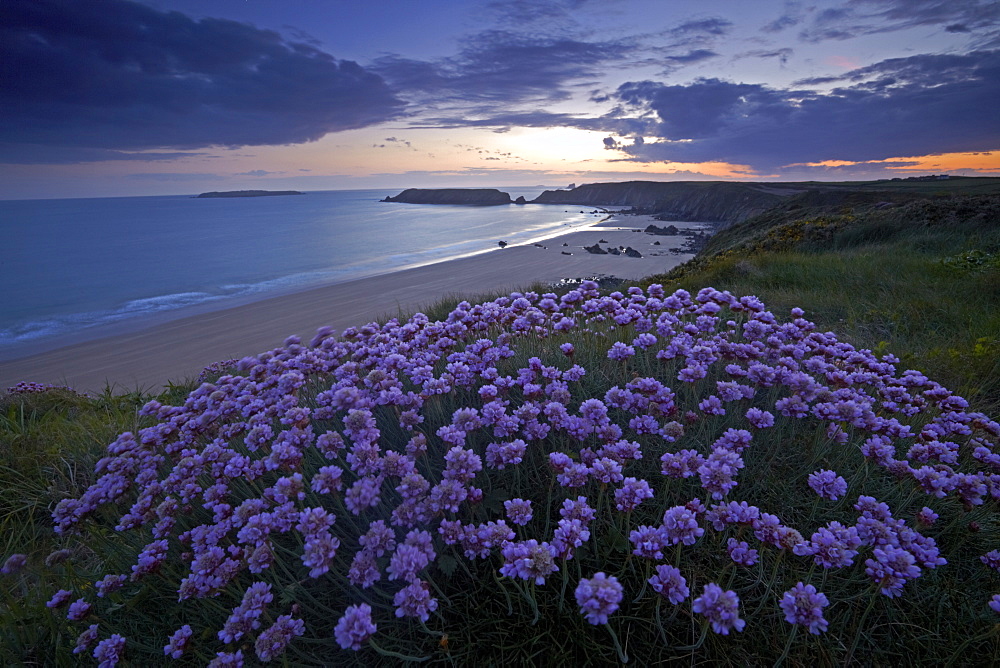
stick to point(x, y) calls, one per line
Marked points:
point(467, 196)
point(677, 200)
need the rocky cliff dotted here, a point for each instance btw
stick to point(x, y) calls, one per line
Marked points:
point(677, 200)
point(469, 196)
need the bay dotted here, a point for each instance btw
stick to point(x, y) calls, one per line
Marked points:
point(71, 268)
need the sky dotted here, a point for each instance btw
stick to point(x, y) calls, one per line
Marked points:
point(104, 98)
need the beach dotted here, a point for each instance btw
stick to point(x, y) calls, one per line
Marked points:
point(176, 350)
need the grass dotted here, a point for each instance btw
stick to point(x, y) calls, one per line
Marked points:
point(916, 280)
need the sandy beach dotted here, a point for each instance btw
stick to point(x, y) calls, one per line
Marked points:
point(178, 349)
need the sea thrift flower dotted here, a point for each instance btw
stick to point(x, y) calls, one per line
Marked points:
point(355, 627)
point(14, 564)
point(598, 597)
point(681, 525)
point(828, 484)
point(415, 600)
point(244, 617)
point(578, 510)
point(995, 603)
point(992, 559)
point(631, 494)
point(803, 605)
point(649, 541)
point(926, 516)
point(109, 584)
point(227, 660)
point(759, 418)
point(741, 553)
point(518, 511)
point(669, 582)
point(274, 639)
point(59, 599)
point(721, 608)
point(109, 651)
point(78, 610)
point(891, 568)
point(529, 560)
point(86, 639)
point(569, 535)
point(619, 351)
point(178, 642)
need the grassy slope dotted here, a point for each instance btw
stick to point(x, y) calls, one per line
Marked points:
point(898, 279)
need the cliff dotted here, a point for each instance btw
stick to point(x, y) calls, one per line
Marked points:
point(677, 200)
point(468, 196)
point(247, 193)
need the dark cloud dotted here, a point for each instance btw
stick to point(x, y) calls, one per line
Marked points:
point(905, 106)
point(503, 67)
point(121, 76)
point(695, 56)
point(257, 172)
point(865, 17)
point(701, 28)
point(782, 55)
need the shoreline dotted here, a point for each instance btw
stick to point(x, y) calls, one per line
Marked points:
point(177, 349)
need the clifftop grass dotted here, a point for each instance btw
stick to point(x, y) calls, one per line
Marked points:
point(916, 279)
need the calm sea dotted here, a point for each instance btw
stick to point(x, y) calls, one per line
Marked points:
point(72, 267)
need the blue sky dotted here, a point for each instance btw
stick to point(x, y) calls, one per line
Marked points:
point(124, 97)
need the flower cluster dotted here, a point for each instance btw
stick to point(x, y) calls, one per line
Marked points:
point(378, 456)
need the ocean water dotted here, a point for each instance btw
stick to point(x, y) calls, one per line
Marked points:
point(72, 267)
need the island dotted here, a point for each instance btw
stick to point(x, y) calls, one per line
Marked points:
point(465, 196)
point(248, 193)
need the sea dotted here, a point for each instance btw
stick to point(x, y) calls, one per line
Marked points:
point(77, 269)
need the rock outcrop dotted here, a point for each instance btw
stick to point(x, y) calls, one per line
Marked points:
point(466, 196)
point(668, 231)
point(520, 200)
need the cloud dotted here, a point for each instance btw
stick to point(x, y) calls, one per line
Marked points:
point(257, 172)
point(122, 76)
point(905, 106)
point(503, 67)
point(866, 17)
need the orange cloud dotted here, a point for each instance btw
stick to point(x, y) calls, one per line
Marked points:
point(987, 162)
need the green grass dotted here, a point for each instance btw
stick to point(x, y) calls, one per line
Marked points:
point(916, 280)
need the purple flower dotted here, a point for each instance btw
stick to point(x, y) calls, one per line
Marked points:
point(379, 538)
point(109, 584)
point(828, 484)
point(415, 600)
point(891, 568)
point(86, 639)
point(78, 610)
point(649, 541)
point(501, 455)
point(364, 571)
point(364, 493)
point(529, 560)
point(273, 640)
point(759, 418)
point(244, 617)
point(406, 562)
point(178, 642)
point(682, 464)
point(578, 510)
point(14, 564)
point(741, 553)
point(59, 599)
point(227, 660)
point(569, 535)
point(355, 627)
point(681, 525)
point(319, 551)
point(109, 651)
point(619, 351)
point(606, 470)
point(722, 608)
point(669, 582)
point(803, 605)
point(991, 559)
point(518, 511)
point(598, 597)
point(995, 603)
point(832, 546)
point(926, 516)
point(631, 494)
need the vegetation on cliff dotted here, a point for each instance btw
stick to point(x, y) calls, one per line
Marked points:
point(581, 477)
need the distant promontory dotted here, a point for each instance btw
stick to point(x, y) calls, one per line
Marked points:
point(468, 196)
point(248, 193)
